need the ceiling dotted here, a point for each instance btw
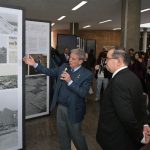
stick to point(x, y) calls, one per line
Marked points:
point(90, 14)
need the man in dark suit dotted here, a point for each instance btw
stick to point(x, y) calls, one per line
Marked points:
point(122, 110)
point(65, 56)
point(73, 83)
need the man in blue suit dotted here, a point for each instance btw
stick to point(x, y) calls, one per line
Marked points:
point(73, 83)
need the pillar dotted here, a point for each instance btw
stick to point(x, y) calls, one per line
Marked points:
point(130, 24)
point(144, 39)
point(74, 28)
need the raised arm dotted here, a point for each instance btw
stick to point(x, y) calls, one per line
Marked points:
point(29, 60)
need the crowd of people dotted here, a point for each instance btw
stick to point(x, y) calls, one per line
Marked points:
point(123, 121)
point(140, 64)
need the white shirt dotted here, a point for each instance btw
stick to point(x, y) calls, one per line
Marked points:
point(66, 56)
point(70, 82)
point(119, 70)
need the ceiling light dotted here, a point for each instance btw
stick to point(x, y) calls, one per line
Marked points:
point(117, 29)
point(53, 24)
point(147, 9)
point(145, 25)
point(87, 26)
point(62, 17)
point(104, 21)
point(79, 5)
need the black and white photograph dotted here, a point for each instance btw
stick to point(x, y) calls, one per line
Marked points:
point(3, 49)
point(8, 119)
point(36, 95)
point(8, 82)
point(8, 23)
point(11, 87)
point(8, 38)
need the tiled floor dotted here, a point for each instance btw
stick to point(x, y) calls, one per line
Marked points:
point(41, 132)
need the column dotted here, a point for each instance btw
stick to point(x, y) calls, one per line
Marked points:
point(130, 24)
point(74, 28)
point(144, 39)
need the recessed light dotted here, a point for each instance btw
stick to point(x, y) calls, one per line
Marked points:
point(79, 5)
point(87, 26)
point(117, 29)
point(53, 24)
point(147, 9)
point(104, 21)
point(62, 17)
point(145, 25)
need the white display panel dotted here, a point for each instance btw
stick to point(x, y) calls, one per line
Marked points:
point(37, 85)
point(11, 87)
point(37, 37)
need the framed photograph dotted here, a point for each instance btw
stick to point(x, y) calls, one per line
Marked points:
point(11, 79)
point(83, 44)
point(78, 42)
point(37, 85)
point(66, 41)
point(91, 45)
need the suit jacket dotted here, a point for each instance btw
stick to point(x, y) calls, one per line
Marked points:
point(122, 113)
point(63, 58)
point(82, 79)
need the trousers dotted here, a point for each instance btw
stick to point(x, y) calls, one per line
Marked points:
point(68, 131)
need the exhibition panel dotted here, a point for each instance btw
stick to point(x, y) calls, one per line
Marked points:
point(11, 79)
point(37, 85)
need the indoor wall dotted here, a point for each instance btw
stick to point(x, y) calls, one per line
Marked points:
point(103, 38)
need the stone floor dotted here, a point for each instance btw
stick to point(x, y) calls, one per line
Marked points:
point(41, 133)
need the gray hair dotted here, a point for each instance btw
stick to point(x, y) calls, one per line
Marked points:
point(119, 53)
point(79, 52)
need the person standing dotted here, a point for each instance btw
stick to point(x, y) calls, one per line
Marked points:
point(65, 56)
point(102, 74)
point(123, 112)
point(73, 83)
point(148, 87)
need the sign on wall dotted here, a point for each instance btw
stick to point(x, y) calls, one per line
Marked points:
point(11, 87)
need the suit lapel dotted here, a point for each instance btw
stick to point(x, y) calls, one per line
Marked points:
point(121, 71)
point(112, 79)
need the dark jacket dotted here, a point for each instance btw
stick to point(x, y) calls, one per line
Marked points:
point(82, 80)
point(122, 113)
point(63, 58)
